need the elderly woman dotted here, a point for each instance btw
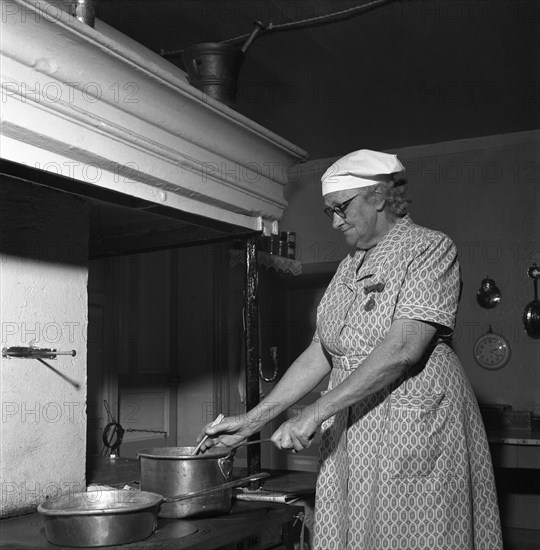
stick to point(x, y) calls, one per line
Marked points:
point(404, 460)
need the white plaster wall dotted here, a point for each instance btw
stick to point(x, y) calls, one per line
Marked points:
point(43, 297)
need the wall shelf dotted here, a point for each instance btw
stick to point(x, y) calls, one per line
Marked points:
point(269, 261)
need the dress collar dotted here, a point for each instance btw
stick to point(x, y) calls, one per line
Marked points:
point(374, 266)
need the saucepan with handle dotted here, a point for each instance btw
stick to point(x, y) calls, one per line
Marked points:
point(531, 314)
point(173, 471)
point(110, 517)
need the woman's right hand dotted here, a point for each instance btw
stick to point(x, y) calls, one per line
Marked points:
point(231, 431)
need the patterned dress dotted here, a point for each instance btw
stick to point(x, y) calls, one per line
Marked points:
point(408, 467)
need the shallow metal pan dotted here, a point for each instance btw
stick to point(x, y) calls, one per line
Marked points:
point(109, 518)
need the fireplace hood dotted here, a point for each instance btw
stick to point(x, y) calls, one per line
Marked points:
point(91, 112)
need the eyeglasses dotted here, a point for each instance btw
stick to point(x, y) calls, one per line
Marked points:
point(339, 209)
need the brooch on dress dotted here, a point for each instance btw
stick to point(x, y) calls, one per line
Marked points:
point(377, 287)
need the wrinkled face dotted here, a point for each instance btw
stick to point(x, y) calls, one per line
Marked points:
point(360, 226)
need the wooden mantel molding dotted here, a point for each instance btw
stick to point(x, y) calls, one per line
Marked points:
point(93, 105)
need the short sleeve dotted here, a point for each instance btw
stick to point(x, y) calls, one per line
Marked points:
point(431, 287)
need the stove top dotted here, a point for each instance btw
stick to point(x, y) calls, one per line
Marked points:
point(245, 519)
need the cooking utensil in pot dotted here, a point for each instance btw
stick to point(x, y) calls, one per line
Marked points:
point(218, 419)
point(531, 314)
point(108, 518)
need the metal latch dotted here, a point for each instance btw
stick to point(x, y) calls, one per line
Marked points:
point(34, 353)
point(40, 354)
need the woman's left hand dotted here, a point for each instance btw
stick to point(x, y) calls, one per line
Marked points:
point(297, 433)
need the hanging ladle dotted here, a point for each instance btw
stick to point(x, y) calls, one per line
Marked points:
point(531, 314)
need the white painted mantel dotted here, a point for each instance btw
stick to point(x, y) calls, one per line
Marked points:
point(98, 108)
point(91, 104)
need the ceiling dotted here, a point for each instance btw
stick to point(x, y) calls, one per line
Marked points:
point(401, 73)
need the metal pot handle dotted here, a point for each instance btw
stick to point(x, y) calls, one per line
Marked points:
point(226, 464)
point(255, 442)
point(218, 488)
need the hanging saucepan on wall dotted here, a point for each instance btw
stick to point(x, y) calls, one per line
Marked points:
point(488, 295)
point(531, 314)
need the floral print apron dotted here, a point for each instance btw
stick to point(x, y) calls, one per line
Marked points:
point(408, 467)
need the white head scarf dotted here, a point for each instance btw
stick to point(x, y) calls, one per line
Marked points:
point(360, 169)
